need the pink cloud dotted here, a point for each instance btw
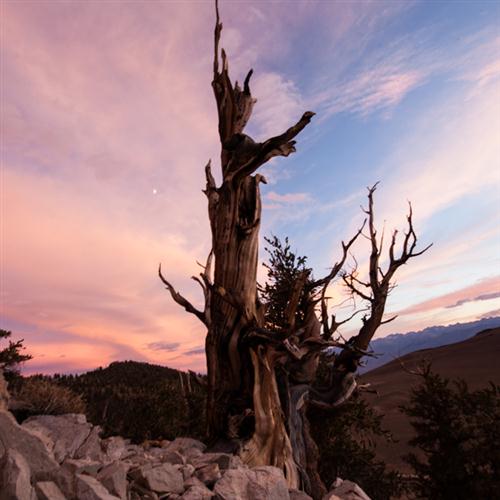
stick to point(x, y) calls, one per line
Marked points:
point(374, 89)
point(484, 290)
point(107, 122)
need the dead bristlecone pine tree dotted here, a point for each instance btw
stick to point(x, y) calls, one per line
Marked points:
point(260, 376)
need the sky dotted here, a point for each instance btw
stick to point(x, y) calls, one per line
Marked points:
point(108, 118)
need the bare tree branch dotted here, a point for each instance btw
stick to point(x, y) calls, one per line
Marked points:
point(181, 300)
point(349, 282)
point(388, 320)
point(256, 154)
point(338, 265)
point(380, 282)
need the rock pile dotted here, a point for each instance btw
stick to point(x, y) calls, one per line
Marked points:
point(63, 457)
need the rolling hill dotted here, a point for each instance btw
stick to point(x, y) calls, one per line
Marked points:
point(475, 360)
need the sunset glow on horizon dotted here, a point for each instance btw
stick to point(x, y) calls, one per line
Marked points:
point(108, 119)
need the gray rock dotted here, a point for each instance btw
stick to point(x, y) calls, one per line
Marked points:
point(89, 488)
point(91, 447)
point(142, 493)
point(192, 481)
point(198, 492)
point(224, 460)
point(48, 490)
point(132, 449)
point(299, 495)
point(15, 477)
point(82, 466)
point(136, 472)
point(185, 446)
point(65, 480)
point(187, 471)
point(346, 490)
point(208, 474)
point(114, 478)
point(68, 432)
point(29, 445)
point(114, 447)
point(258, 483)
point(331, 496)
point(172, 457)
point(164, 478)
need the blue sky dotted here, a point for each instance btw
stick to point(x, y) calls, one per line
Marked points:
point(108, 120)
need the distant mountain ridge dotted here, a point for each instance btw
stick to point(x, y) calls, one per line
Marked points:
point(398, 344)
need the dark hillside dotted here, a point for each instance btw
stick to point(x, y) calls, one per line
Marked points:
point(140, 401)
point(474, 360)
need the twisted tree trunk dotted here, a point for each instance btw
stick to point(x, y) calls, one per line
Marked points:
point(260, 381)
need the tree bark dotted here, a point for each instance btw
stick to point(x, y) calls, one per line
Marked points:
point(243, 398)
point(259, 382)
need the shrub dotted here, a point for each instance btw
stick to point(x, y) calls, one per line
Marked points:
point(40, 396)
point(346, 446)
point(458, 435)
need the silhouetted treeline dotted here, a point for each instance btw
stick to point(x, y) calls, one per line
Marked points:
point(140, 401)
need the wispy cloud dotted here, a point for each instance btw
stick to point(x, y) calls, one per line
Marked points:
point(490, 314)
point(485, 296)
point(199, 351)
point(163, 346)
point(108, 119)
point(279, 105)
point(371, 91)
point(485, 290)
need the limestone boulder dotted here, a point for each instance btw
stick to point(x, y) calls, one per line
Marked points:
point(258, 483)
point(114, 478)
point(345, 490)
point(187, 447)
point(67, 432)
point(114, 447)
point(223, 460)
point(198, 492)
point(331, 496)
point(299, 495)
point(91, 447)
point(192, 481)
point(29, 444)
point(187, 471)
point(163, 455)
point(15, 477)
point(82, 466)
point(164, 478)
point(48, 490)
point(208, 474)
point(89, 488)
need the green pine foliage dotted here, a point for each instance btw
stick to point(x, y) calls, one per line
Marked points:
point(11, 356)
point(283, 269)
point(458, 435)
